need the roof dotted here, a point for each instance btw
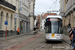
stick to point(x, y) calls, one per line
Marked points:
point(46, 14)
point(50, 16)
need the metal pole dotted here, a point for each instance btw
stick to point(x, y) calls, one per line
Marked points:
point(6, 32)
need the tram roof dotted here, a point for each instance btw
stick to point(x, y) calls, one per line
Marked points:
point(49, 16)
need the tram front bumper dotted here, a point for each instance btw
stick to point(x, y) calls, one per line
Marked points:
point(54, 39)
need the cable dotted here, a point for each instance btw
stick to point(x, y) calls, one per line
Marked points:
point(53, 4)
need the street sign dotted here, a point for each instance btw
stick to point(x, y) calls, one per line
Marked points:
point(6, 22)
point(15, 20)
point(16, 15)
point(20, 8)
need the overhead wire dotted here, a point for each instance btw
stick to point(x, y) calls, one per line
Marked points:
point(53, 4)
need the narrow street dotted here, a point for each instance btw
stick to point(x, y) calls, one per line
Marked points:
point(29, 24)
point(38, 42)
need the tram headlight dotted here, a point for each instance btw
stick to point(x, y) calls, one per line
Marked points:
point(58, 35)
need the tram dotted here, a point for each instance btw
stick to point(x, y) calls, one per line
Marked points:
point(53, 28)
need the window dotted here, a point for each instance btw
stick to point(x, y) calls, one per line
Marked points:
point(66, 1)
point(7, 17)
point(52, 27)
point(1, 20)
point(11, 23)
point(15, 21)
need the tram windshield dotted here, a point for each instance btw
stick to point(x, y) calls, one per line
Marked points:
point(53, 26)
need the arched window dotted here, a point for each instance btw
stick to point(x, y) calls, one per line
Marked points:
point(7, 17)
point(11, 22)
point(1, 20)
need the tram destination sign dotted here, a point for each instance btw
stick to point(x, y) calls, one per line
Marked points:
point(52, 19)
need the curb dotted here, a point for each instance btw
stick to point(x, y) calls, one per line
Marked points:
point(16, 36)
point(11, 37)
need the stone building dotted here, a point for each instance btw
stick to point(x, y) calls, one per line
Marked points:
point(67, 11)
point(26, 18)
point(38, 21)
point(8, 9)
point(24, 21)
point(32, 17)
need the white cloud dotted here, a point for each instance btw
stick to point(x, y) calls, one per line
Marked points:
point(44, 5)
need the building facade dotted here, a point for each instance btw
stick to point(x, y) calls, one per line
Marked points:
point(24, 19)
point(67, 11)
point(32, 17)
point(38, 22)
point(8, 9)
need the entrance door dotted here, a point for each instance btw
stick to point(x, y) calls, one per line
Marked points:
point(21, 26)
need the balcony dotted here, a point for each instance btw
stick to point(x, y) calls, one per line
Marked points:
point(4, 3)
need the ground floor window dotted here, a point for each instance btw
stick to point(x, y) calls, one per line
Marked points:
point(15, 24)
point(1, 20)
point(26, 26)
point(11, 23)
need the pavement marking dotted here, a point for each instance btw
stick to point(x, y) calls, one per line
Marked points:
point(18, 46)
point(40, 47)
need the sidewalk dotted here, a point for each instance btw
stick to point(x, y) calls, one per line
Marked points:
point(66, 39)
point(15, 36)
point(13, 40)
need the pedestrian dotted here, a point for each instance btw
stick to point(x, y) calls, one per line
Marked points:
point(73, 39)
point(34, 28)
point(37, 27)
point(18, 31)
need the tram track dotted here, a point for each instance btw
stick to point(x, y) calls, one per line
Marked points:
point(57, 46)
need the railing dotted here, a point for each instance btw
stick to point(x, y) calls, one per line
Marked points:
point(3, 2)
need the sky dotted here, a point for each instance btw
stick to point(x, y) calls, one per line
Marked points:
point(42, 6)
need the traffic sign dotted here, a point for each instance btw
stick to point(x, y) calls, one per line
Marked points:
point(20, 8)
point(16, 15)
point(6, 22)
point(15, 20)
